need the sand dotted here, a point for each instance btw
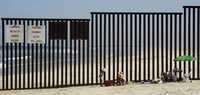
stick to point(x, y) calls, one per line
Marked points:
point(130, 89)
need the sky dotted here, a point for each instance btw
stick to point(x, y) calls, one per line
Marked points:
point(82, 8)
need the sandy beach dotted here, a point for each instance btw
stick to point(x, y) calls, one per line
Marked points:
point(130, 89)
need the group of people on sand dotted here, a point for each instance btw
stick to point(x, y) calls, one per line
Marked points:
point(169, 76)
point(119, 81)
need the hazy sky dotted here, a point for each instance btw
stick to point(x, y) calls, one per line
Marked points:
point(82, 8)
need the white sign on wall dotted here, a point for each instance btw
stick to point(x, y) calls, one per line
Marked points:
point(35, 34)
point(14, 33)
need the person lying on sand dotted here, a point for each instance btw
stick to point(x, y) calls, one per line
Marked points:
point(156, 81)
point(119, 81)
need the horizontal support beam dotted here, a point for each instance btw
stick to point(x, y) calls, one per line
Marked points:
point(180, 13)
point(191, 6)
point(44, 19)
